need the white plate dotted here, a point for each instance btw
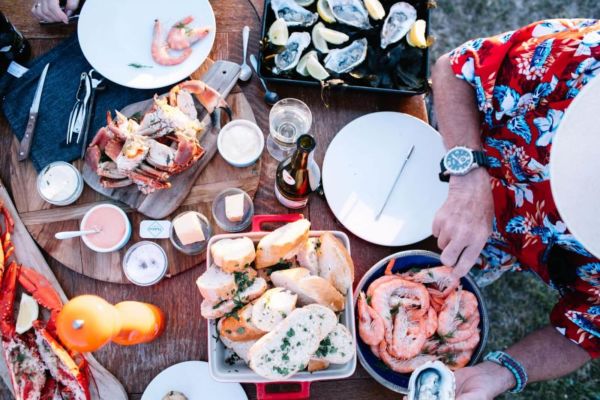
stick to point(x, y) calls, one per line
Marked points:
point(115, 33)
point(359, 170)
point(193, 380)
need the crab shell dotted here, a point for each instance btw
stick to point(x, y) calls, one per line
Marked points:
point(432, 381)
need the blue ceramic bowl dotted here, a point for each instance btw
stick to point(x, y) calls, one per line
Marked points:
point(404, 261)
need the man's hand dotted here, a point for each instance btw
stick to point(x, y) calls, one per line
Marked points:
point(50, 11)
point(483, 381)
point(464, 222)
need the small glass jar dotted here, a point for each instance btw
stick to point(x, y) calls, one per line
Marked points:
point(196, 247)
point(218, 211)
point(145, 263)
point(60, 183)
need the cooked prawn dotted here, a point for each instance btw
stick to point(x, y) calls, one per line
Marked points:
point(391, 290)
point(459, 307)
point(160, 50)
point(468, 344)
point(431, 323)
point(407, 337)
point(181, 36)
point(459, 360)
point(377, 282)
point(403, 366)
point(441, 277)
point(370, 325)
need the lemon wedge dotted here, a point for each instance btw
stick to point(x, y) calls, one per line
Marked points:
point(416, 36)
point(315, 69)
point(333, 36)
point(325, 12)
point(301, 67)
point(28, 312)
point(278, 32)
point(318, 41)
point(375, 9)
point(304, 3)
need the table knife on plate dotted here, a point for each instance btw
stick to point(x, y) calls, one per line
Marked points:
point(25, 145)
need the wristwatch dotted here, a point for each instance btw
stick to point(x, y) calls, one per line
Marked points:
point(460, 160)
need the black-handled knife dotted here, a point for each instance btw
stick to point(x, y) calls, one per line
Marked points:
point(25, 145)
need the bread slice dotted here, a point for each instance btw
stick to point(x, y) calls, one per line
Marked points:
point(310, 289)
point(239, 328)
point(335, 263)
point(212, 310)
point(308, 256)
point(240, 348)
point(338, 347)
point(288, 348)
point(315, 365)
point(216, 285)
point(273, 307)
point(282, 243)
point(233, 254)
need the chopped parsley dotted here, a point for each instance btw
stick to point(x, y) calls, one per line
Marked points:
point(138, 66)
point(232, 359)
point(281, 371)
point(326, 347)
point(241, 330)
point(290, 332)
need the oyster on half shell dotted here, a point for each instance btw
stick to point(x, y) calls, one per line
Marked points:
point(397, 24)
point(293, 13)
point(289, 57)
point(347, 58)
point(432, 381)
point(350, 12)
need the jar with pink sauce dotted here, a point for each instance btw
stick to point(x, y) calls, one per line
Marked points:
point(114, 228)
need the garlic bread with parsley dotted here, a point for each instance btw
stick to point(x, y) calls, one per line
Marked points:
point(273, 307)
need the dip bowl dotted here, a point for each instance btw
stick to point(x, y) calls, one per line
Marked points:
point(228, 155)
point(118, 244)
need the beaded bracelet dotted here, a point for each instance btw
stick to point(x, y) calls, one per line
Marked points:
point(515, 367)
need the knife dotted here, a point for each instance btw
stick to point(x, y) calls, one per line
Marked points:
point(25, 146)
point(395, 182)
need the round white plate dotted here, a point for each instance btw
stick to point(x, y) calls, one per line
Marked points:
point(116, 33)
point(193, 380)
point(359, 170)
point(575, 167)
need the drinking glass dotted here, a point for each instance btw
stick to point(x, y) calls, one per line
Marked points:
point(288, 119)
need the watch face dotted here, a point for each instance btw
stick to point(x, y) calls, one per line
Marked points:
point(458, 160)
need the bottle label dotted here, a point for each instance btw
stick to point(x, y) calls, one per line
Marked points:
point(288, 178)
point(16, 70)
point(290, 203)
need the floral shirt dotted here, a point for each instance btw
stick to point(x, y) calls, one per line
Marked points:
point(524, 81)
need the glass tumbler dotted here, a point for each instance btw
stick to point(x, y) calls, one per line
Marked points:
point(289, 118)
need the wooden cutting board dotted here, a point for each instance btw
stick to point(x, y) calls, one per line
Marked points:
point(44, 220)
point(28, 254)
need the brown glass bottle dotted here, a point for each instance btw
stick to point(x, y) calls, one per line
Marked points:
point(292, 184)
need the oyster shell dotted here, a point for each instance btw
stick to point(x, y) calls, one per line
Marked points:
point(346, 59)
point(397, 24)
point(292, 13)
point(350, 12)
point(432, 381)
point(289, 57)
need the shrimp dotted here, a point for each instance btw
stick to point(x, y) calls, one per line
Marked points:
point(459, 360)
point(459, 307)
point(160, 50)
point(377, 282)
point(403, 366)
point(407, 337)
point(431, 323)
point(370, 326)
point(392, 290)
point(468, 344)
point(181, 36)
point(375, 350)
point(441, 277)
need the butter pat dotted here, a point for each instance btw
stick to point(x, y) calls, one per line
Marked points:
point(188, 229)
point(234, 207)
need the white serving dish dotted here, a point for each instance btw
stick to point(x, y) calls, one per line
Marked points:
point(240, 372)
point(116, 247)
point(240, 163)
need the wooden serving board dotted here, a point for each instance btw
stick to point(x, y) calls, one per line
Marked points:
point(27, 253)
point(44, 220)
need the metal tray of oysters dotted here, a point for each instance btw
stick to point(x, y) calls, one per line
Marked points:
point(372, 45)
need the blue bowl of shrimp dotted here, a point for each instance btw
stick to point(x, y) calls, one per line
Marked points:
point(425, 315)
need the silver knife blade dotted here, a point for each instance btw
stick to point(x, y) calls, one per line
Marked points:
point(395, 182)
point(35, 106)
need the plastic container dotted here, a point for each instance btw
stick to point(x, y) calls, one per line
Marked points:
point(119, 244)
point(59, 199)
point(155, 269)
point(192, 248)
point(218, 211)
point(231, 155)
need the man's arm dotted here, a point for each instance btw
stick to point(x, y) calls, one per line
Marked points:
point(464, 223)
point(545, 354)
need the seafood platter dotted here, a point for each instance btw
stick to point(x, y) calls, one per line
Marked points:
point(279, 305)
point(412, 313)
point(359, 44)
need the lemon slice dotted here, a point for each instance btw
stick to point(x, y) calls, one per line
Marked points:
point(28, 312)
point(375, 9)
point(318, 41)
point(304, 3)
point(301, 67)
point(416, 36)
point(332, 36)
point(325, 12)
point(315, 69)
point(278, 32)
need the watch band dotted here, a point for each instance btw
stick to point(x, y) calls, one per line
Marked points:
point(479, 158)
point(515, 367)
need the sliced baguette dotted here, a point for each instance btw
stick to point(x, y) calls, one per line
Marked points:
point(273, 307)
point(233, 254)
point(239, 348)
point(211, 310)
point(216, 285)
point(315, 365)
point(335, 263)
point(239, 328)
point(310, 289)
point(281, 244)
point(308, 255)
point(288, 348)
point(338, 347)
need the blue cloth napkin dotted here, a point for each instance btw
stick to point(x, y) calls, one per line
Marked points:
point(67, 62)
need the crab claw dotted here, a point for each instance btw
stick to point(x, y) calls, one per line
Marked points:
point(7, 300)
point(42, 291)
point(210, 99)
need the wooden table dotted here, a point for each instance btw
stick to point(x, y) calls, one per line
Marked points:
point(185, 336)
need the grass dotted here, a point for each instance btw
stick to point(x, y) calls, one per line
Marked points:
point(518, 302)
